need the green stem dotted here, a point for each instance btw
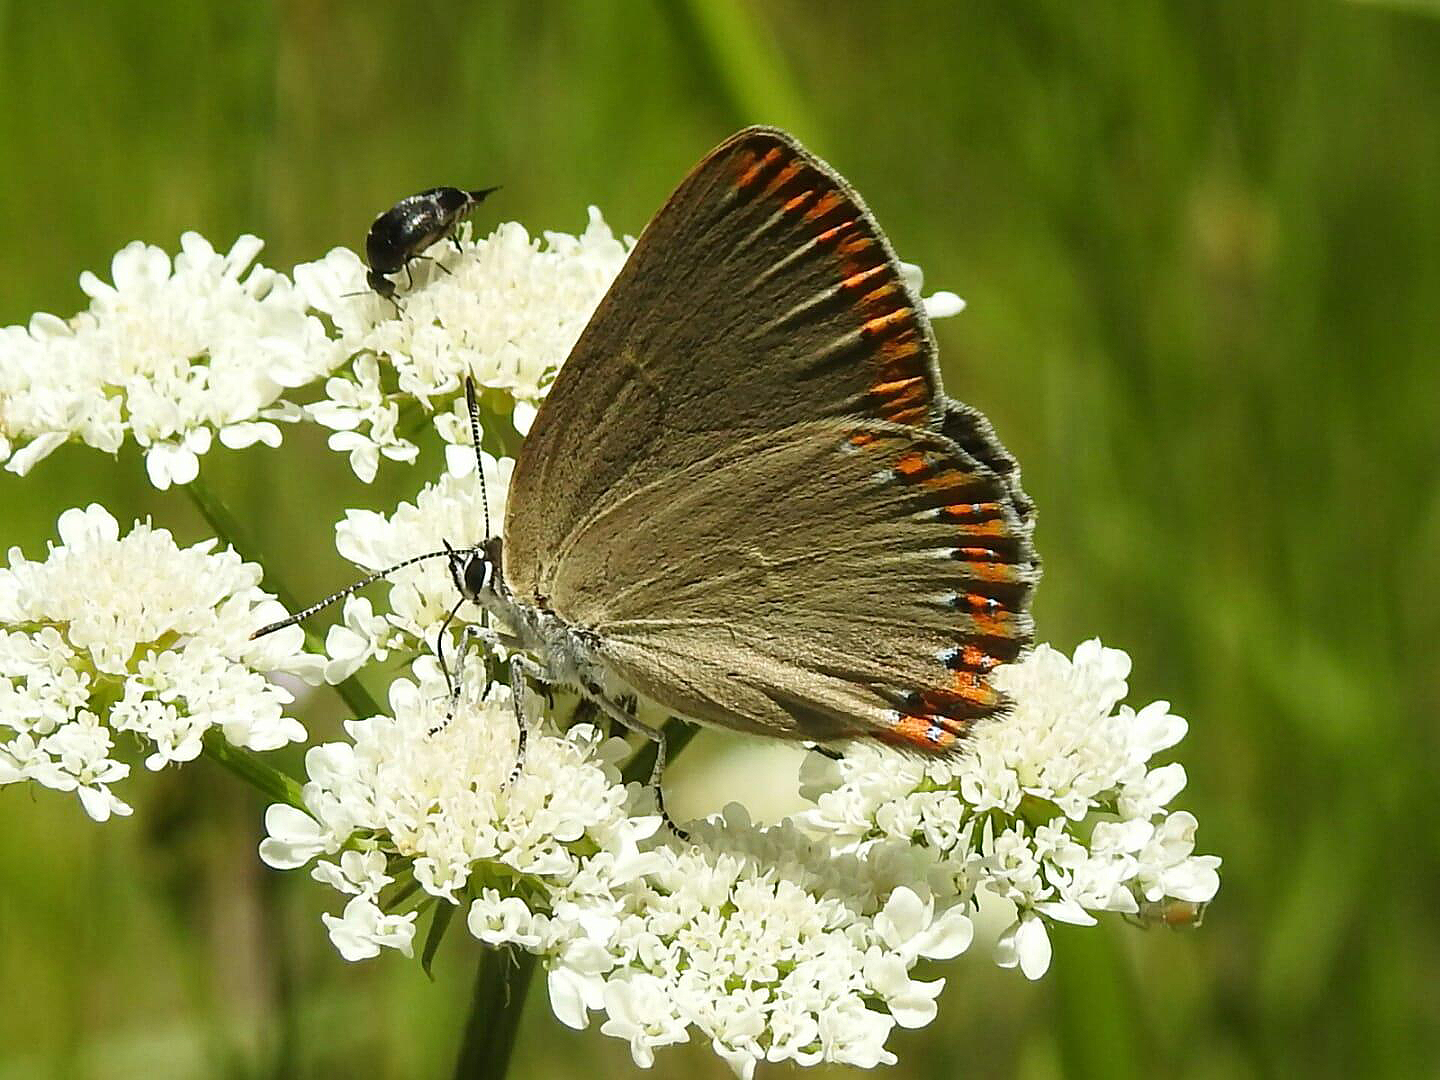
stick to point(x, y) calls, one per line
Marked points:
point(254, 770)
point(495, 1009)
point(228, 528)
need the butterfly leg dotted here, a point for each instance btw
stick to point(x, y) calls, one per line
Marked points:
point(627, 719)
point(517, 697)
point(453, 684)
point(518, 671)
point(488, 637)
point(450, 684)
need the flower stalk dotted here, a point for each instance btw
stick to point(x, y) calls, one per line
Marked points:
point(254, 770)
point(496, 1005)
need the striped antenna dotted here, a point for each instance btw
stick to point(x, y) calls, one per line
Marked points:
point(475, 438)
point(313, 608)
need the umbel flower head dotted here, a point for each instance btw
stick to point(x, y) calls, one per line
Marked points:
point(172, 354)
point(115, 638)
point(504, 309)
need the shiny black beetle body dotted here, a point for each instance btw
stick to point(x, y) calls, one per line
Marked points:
point(401, 233)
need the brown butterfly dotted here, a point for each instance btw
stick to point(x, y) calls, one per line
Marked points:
point(747, 497)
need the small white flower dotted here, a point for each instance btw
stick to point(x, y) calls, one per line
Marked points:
point(911, 1002)
point(362, 637)
point(577, 983)
point(1027, 944)
point(643, 1011)
point(293, 838)
point(363, 930)
point(358, 873)
point(907, 924)
point(854, 1035)
point(498, 920)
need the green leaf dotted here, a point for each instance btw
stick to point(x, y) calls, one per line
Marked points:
point(439, 923)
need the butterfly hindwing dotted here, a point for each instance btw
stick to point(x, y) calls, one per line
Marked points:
point(879, 594)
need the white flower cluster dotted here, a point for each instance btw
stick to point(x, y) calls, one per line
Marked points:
point(506, 309)
point(111, 635)
point(178, 352)
point(1054, 808)
point(420, 596)
point(792, 942)
point(170, 355)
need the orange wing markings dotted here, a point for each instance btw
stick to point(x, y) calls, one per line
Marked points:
point(782, 179)
point(902, 387)
point(753, 166)
point(826, 205)
point(972, 511)
point(886, 324)
point(861, 281)
point(794, 205)
point(969, 695)
point(988, 606)
point(898, 386)
point(921, 731)
point(827, 239)
point(902, 351)
point(974, 658)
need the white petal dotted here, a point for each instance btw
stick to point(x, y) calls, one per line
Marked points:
point(39, 448)
point(904, 916)
point(942, 305)
point(567, 998)
point(948, 937)
point(239, 436)
point(1032, 946)
point(294, 837)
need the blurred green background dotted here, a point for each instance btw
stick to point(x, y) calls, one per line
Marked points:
point(1201, 247)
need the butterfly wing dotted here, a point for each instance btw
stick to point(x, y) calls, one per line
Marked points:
point(749, 484)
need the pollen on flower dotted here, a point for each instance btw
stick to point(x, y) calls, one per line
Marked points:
point(134, 634)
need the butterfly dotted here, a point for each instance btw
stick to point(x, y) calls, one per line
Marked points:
point(747, 497)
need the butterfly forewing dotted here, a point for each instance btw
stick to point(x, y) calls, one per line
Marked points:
point(748, 484)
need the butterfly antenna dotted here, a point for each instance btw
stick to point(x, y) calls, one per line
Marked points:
point(475, 438)
point(313, 608)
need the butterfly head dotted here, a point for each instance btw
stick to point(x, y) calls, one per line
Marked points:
point(476, 570)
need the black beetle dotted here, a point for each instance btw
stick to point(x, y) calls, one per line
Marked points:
point(401, 233)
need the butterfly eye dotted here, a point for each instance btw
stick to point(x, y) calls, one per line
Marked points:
point(478, 572)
